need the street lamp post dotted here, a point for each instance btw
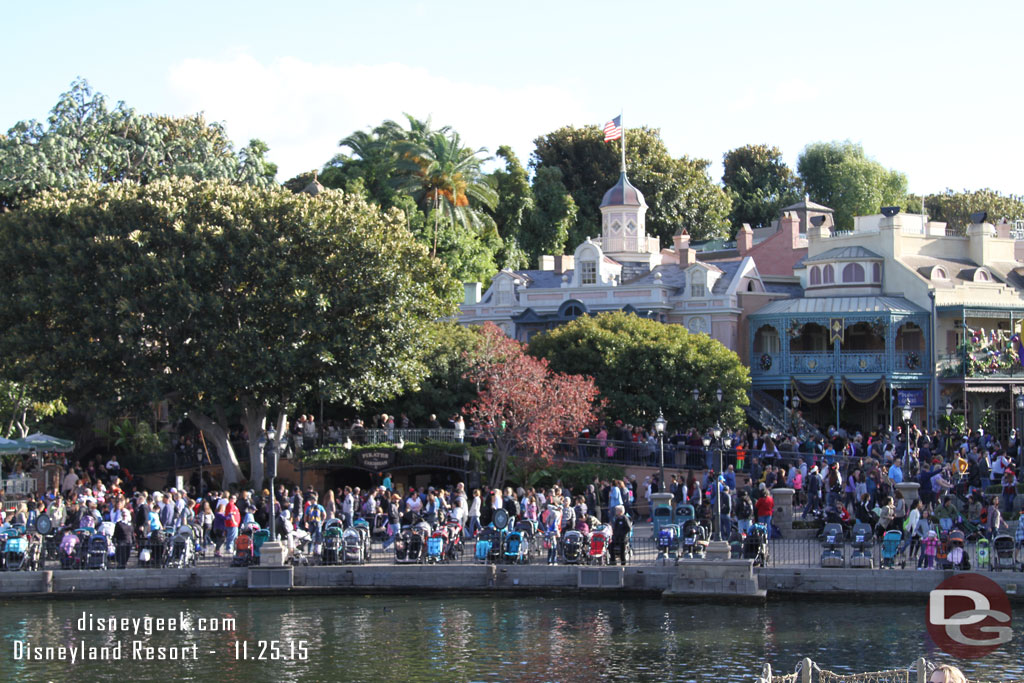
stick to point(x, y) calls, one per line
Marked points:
point(659, 426)
point(949, 425)
point(1019, 402)
point(908, 412)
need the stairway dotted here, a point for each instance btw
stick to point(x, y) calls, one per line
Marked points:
point(771, 414)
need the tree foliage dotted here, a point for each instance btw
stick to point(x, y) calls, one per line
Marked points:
point(759, 183)
point(841, 176)
point(85, 141)
point(234, 301)
point(523, 405)
point(532, 219)
point(679, 191)
point(641, 366)
point(434, 179)
point(955, 208)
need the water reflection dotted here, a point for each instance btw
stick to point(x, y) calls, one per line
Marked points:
point(429, 638)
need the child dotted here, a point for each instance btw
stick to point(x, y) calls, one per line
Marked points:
point(931, 549)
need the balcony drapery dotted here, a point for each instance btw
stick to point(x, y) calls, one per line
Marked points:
point(812, 392)
point(864, 392)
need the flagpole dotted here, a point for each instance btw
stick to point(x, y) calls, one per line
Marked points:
point(621, 122)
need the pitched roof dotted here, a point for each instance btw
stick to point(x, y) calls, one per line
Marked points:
point(807, 204)
point(827, 305)
point(842, 253)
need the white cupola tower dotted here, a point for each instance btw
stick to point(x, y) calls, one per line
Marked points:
point(623, 212)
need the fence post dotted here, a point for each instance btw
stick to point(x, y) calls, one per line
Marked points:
point(766, 673)
point(922, 670)
point(805, 670)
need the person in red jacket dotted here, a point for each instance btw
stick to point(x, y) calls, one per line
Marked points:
point(765, 507)
point(232, 518)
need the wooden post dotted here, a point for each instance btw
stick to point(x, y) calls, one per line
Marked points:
point(766, 673)
point(805, 670)
point(922, 670)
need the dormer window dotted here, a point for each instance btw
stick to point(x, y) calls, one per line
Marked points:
point(698, 284)
point(853, 272)
point(588, 272)
point(982, 276)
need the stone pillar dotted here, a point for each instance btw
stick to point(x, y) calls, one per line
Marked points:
point(909, 489)
point(783, 515)
point(272, 554)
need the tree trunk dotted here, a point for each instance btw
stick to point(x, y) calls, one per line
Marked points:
point(500, 469)
point(217, 434)
point(255, 419)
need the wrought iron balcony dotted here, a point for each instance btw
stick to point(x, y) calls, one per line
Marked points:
point(845, 363)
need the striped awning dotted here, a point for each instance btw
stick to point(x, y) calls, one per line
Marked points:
point(986, 389)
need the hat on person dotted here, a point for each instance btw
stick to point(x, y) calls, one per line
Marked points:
point(814, 470)
point(932, 534)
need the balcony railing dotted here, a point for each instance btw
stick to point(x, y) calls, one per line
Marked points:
point(980, 367)
point(827, 363)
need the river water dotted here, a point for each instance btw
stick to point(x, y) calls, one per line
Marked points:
point(465, 638)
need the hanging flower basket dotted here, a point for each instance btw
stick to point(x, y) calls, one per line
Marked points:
point(913, 360)
point(766, 362)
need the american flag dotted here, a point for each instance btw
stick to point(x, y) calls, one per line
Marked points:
point(613, 129)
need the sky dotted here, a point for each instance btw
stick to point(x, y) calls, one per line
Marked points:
point(932, 89)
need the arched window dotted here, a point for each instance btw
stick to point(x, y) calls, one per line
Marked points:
point(982, 276)
point(939, 274)
point(815, 275)
point(573, 312)
point(876, 272)
point(828, 275)
point(853, 272)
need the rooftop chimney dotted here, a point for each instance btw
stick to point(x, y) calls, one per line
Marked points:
point(744, 239)
point(681, 242)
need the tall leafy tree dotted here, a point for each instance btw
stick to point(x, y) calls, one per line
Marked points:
point(84, 141)
point(514, 207)
point(523, 406)
point(955, 208)
point(679, 191)
point(235, 302)
point(641, 366)
point(759, 184)
point(841, 176)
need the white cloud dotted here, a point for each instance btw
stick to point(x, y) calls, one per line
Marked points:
point(301, 109)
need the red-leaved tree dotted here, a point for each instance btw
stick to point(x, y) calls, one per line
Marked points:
point(522, 405)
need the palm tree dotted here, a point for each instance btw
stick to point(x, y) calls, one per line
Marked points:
point(443, 176)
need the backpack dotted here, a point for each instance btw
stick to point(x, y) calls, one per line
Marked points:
point(746, 510)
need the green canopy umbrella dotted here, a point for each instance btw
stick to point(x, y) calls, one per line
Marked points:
point(45, 442)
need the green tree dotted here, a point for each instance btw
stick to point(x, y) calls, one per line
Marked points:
point(679, 191)
point(86, 141)
point(235, 302)
point(17, 400)
point(955, 208)
point(841, 176)
point(641, 365)
point(759, 183)
point(514, 208)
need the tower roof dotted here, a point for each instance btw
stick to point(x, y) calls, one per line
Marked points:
point(623, 194)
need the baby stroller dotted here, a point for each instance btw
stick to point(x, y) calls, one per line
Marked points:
point(380, 527)
point(735, 544)
point(332, 542)
point(17, 555)
point(695, 539)
point(833, 546)
point(70, 556)
point(411, 543)
point(1002, 552)
point(437, 546)
point(983, 553)
point(517, 547)
point(668, 541)
point(182, 549)
point(153, 550)
point(893, 549)
point(245, 553)
point(488, 545)
point(862, 542)
point(454, 547)
point(100, 550)
point(362, 527)
point(259, 537)
point(573, 543)
point(352, 546)
point(755, 545)
point(600, 540)
point(956, 555)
